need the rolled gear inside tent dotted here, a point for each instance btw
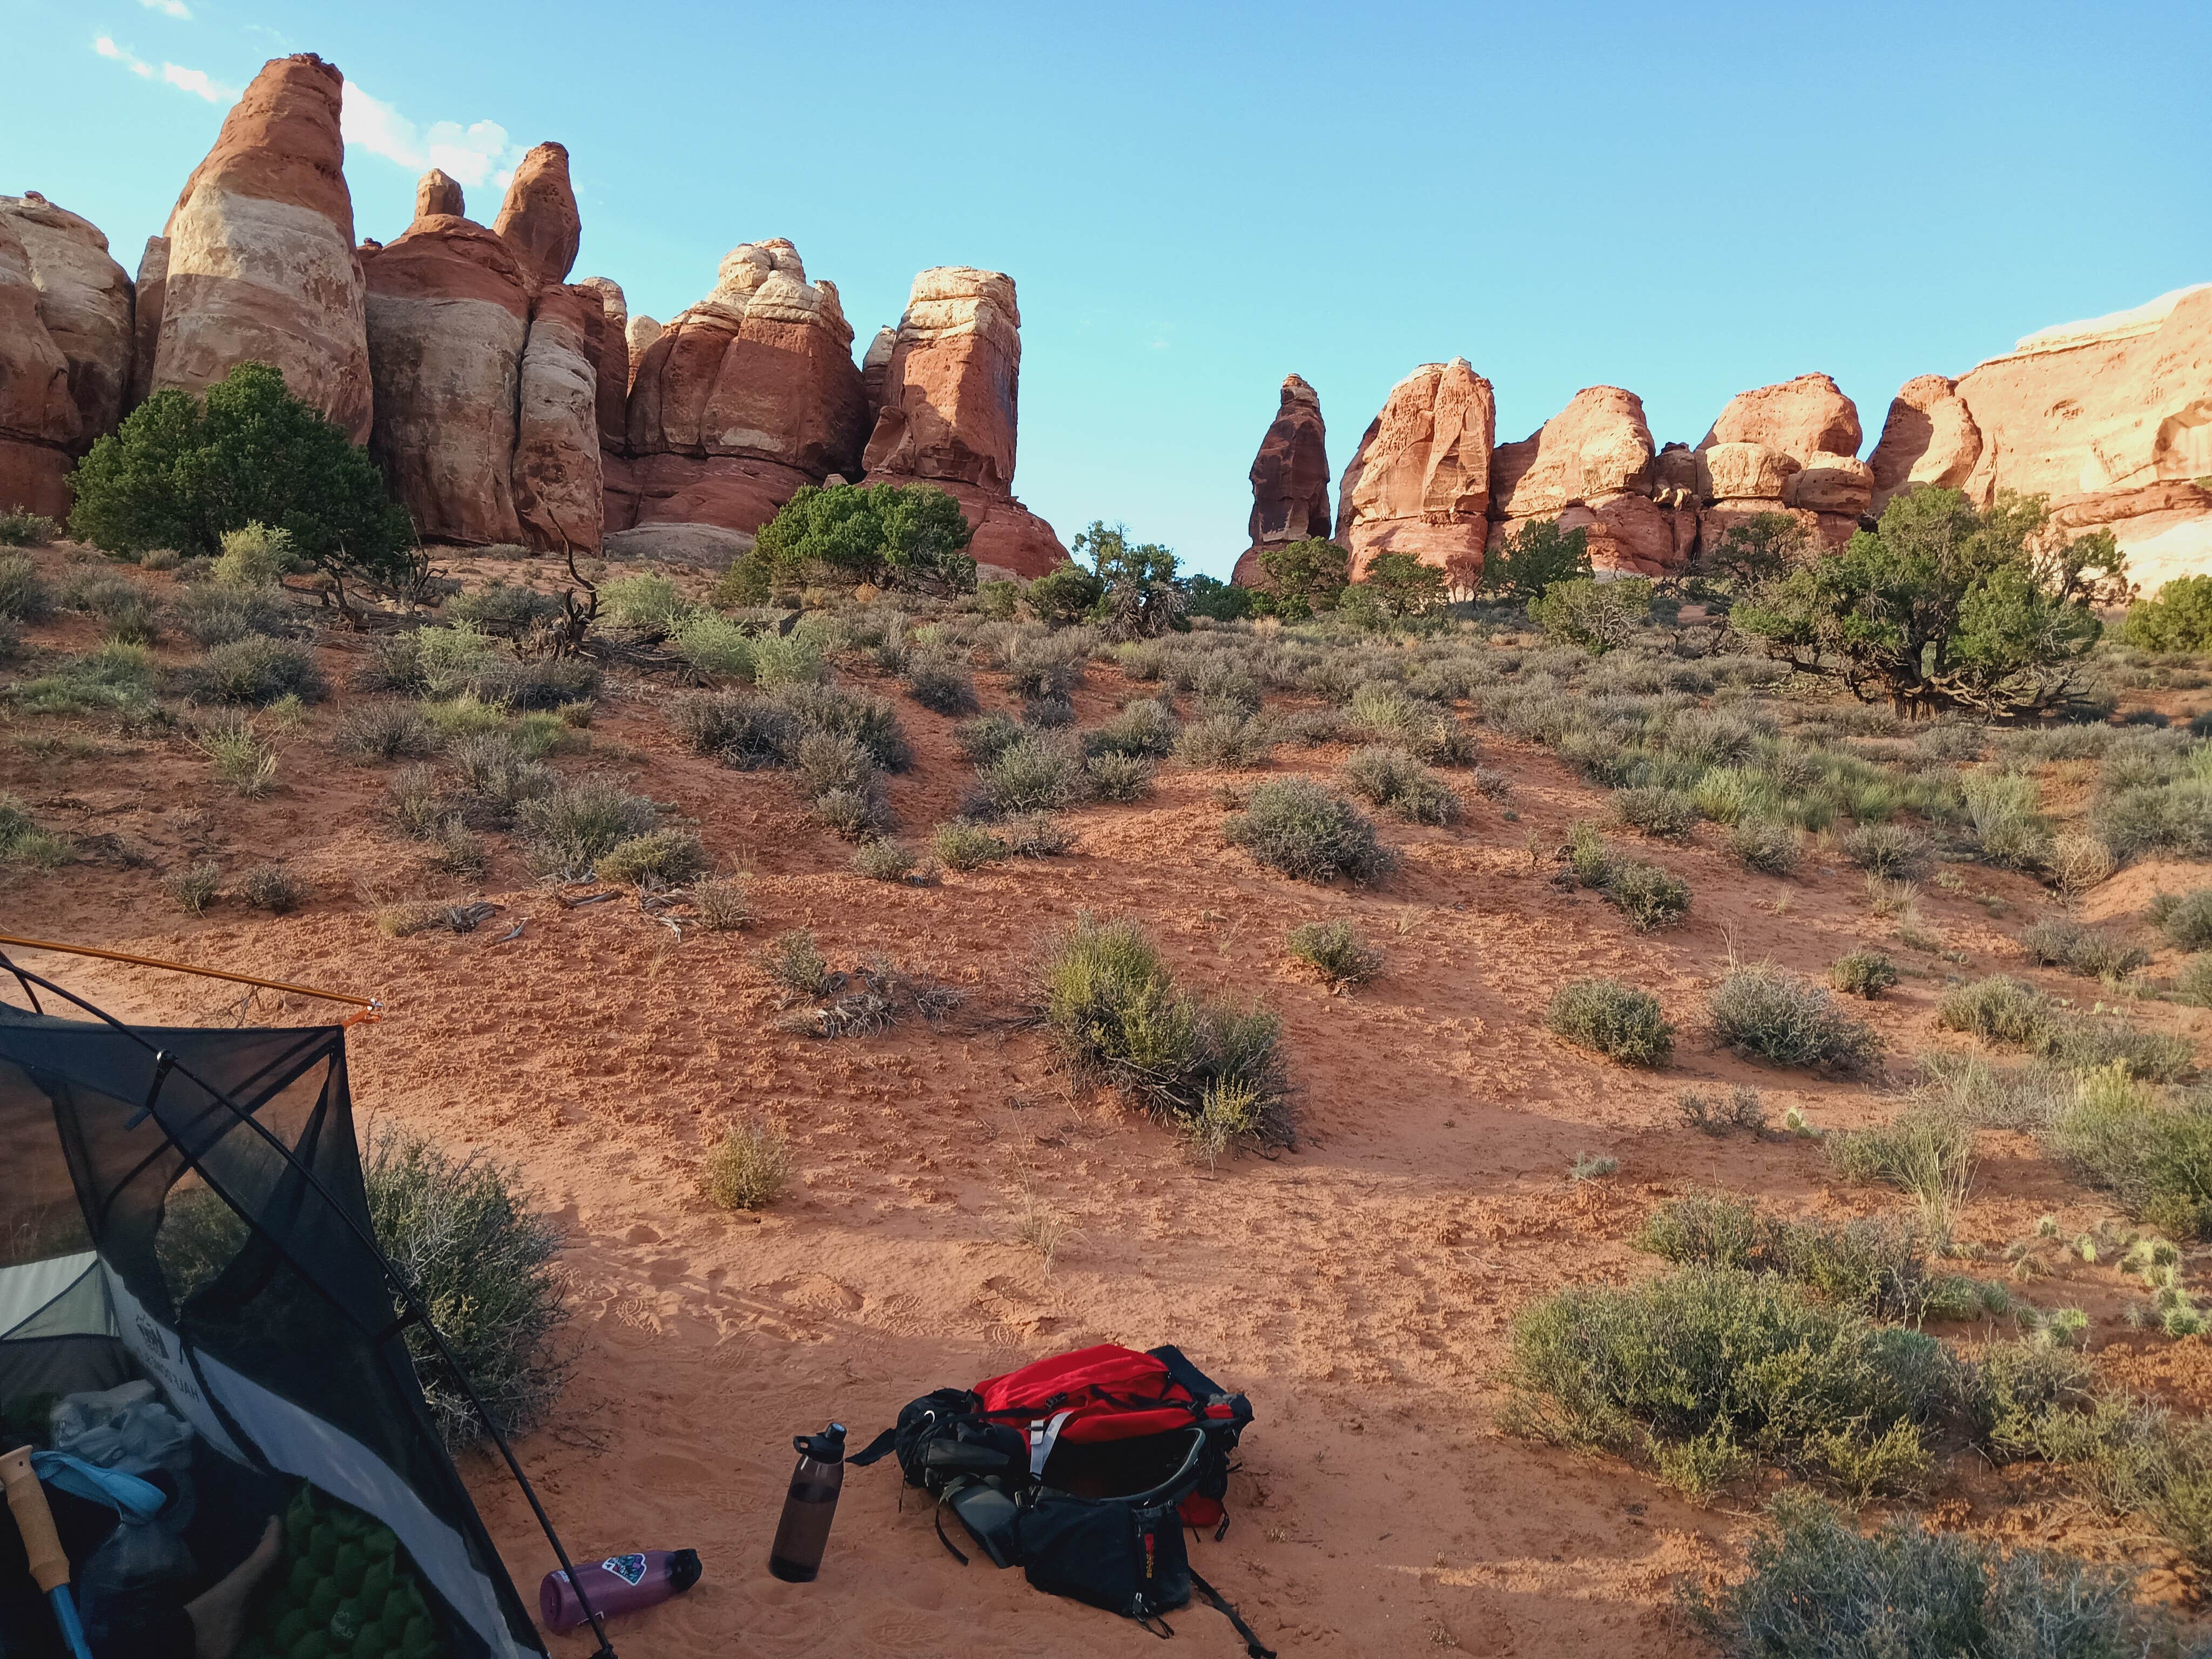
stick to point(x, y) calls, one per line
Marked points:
point(146, 1231)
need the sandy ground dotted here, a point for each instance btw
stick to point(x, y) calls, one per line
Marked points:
point(1359, 1289)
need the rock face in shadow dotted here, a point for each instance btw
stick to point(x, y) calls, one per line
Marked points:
point(1930, 438)
point(261, 264)
point(1420, 481)
point(65, 348)
point(1289, 479)
point(946, 393)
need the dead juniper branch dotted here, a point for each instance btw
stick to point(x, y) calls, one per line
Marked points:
point(871, 999)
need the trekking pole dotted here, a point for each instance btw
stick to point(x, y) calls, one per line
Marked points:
point(49, 1565)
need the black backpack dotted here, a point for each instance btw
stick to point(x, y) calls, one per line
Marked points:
point(1083, 1470)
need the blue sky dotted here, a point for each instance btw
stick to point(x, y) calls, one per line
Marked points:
point(1196, 199)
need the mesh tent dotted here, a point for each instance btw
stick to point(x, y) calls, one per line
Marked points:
point(186, 1205)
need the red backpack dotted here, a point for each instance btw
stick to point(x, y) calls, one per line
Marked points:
point(1083, 1469)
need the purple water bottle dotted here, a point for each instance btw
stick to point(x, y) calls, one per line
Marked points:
point(620, 1583)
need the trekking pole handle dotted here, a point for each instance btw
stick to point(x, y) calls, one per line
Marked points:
point(49, 1565)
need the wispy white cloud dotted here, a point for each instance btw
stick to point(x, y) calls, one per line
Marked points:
point(176, 8)
point(198, 83)
point(480, 153)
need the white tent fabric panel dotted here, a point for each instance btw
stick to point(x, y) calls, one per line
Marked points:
point(62, 1296)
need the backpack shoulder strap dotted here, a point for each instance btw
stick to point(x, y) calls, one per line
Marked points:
point(1254, 1648)
point(875, 1450)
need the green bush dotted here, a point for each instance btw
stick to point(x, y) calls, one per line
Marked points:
point(574, 826)
point(1117, 778)
point(741, 731)
point(2178, 618)
point(179, 472)
point(20, 528)
point(712, 644)
point(1146, 730)
point(2156, 1160)
point(1889, 850)
point(1336, 952)
point(256, 671)
point(1595, 615)
point(903, 536)
point(942, 687)
point(1763, 1011)
point(1655, 810)
point(984, 739)
point(486, 1266)
point(1924, 1151)
point(751, 1167)
point(1113, 1008)
point(1998, 1009)
point(2186, 921)
point(1875, 1265)
point(1820, 1589)
point(217, 616)
point(115, 679)
point(886, 860)
point(1063, 595)
point(1708, 1369)
point(1224, 742)
point(1294, 825)
point(1036, 773)
point(2175, 818)
point(1647, 895)
point(659, 858)
point(498, 608)
point(1529, 560)
point(1760, 844)
point(1616, 1020)
point(794, 961)
point(870, 722)
point(272, 888)
point(2061, 942)
point(1394, 779)
point(961, 845)
point(382, 732)
point(24, 596)
point(1863, 974)
point(643, 601)
point(254, 557)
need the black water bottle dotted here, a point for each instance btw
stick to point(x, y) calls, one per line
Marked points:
point(809, 1507)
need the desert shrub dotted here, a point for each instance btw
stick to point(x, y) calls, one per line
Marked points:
point(115, 679)
point(242, 758)
point(665, 858)
point(961, 845)
point(1312, 727)
point(23, 528)
point(575, 824)
point(1708, 1369)
point(1886, 849)
point(1428, 732)
point(195, 887)
point(24, 595)
point(1763, 1011)
point(720, 905)
point(1336, 950)
point(870, 722)
point(1145, 730)
point(1763, 845)
point(904, 536)
point(382, 732)
point(788, 659)
point(643, 601)
point(254, 557)
point(751, 1167)
point(2156, 1160)
point(1048, 714)
point(1394, 779)
point(741, 731)
point(21, 841)
point(943, 687)
point(1035, 835)
point(544, 683)
point(1036, 773)
point(856, 814)
point(712, 644)
point(272, 888)
point(1742, 1109)
point(1863, 974)
point(1117, 778)
point(2178, 618)
point(485, 1265)
point(2089, 1045)
point(987, 736)
point(1875, 1265)
point(1655, 810)
point(2061, 942)
point(1817, 1586)
point(123, 609)
point(1044, 668)
point(458, 850)
point(1222, 686)
point(2002, 812)
point(2186, 921)
point(1616, 1020)
point(794, 961)
point(217, 616)
point(827, 761)
point(886, 860)
point(1296, 826)
point(1647, 895)
point(1998, 1009)
point(1224, 742)
point(255, 669)
point(1597, 616)
point(2153, 818)
point(499, 607)
point(1113, 1008)
point(1924, 1151)
point(180, 471)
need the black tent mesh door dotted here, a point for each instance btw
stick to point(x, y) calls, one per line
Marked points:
point(241, 1288)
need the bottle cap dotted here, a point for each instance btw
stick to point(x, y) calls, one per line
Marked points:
point(684, 1570)
point(827, 1447)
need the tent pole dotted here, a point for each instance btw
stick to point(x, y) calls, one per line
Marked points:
point(164, 1063)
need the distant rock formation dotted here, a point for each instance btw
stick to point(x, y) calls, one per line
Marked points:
point(610, 349)
point(65, 348)
point(1791, 447)
point(1289, 479)
point(558, 482)
point(261, 264)
point(1420, 481)
point(146, 320)
point(1591, 467)
point(945, 405)
point(740, 399)
point(539, 219)
point(1930, 438)
point(438, 195)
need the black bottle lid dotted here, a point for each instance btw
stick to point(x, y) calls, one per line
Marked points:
point(684, 1570)
point(827, 1447)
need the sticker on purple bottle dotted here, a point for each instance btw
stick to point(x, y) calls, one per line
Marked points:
point(628, 1568)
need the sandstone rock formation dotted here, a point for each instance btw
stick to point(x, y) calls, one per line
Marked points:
point(640, 334)
point(65, 346)
point(146, 320)
point(261, 262)
point(1790, 448)
point(1592, 467)
point(448, 317)
point(1420, 483)
point(1801, 418)
point(1289, 479)
point(2111, 420)
point(1930, 438)
point(947, 411)
point(557, 480)
point(438, 195)
point(539, 219)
